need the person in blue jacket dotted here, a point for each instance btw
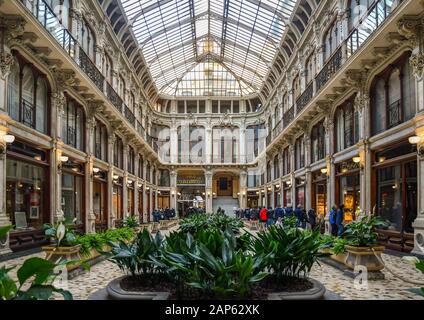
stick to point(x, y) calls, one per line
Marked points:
point(299, 215)
point(333, 221)
point(339, 220)
point(289, 211)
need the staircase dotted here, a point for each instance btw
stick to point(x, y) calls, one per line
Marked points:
point(226, 203)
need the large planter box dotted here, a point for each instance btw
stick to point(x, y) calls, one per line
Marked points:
point(340, 257)
point(53, 254)
point(364, 256)
point(317, 292)
point(115, 292)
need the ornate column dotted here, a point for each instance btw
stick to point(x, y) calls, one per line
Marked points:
point(242, 143)
point(90, 217)
point(173, 184)
point(208, 191)
point(174, 143)
point(243, 189)
point(145, 213)
point(135, 183)
point(125, 183)
point(4, 219)
point(208, 143)
point(419, 221)
point(308, 174)
point(112, 213)
point(56, 181)
point(292, 177)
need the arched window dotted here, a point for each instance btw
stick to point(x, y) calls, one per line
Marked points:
point(61, 9)
point(332, 40)
point(276, 167)
point(299, 153)
point(121, 88)
point(13, 91)
point(393, 96)
point(28, 92)
point(318, 142)
point(268, 171)
point(88, 40)
point(296, 87)
point(41, 105)
point(310, 68)
point(101, 141)
point(73, 124)
point(148, 171)
point(107, 68)
point(347, 125)
point(118, 153)
point(286, 161)
point(131, 160)
point(140, 166)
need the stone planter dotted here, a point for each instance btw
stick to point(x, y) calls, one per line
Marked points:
point(53, 254)
point(340, 257)
point(115, 292)
point(317, 292)
point(364, 256)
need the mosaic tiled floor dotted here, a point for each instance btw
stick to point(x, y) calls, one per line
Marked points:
point(334, 280)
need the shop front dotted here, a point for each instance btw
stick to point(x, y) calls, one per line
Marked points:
point(348, 189)
point(252, 199)
point(191, 191)
point(73, 199)
point(395, 176)
point(164, 200)
point(100, 205)
point(27, 195)
point(277, 196)
point(148, 207)
point(319, 193)
point(140, 202)
point(287, 193)
point(117, 201)
point(300, 191)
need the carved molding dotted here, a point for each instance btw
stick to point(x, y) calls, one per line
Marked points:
point(6, 62)
point(417, 63)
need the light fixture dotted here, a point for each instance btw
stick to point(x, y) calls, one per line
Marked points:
point(37, 157)
point(244, 193)
point(96, 170)
point(356, 159)
point(381, 159)
point(414, 139)
point(75, 169)
point(277, 186)
point(148, 188)
point(179, 193)
point(115, 177)
point(139, 184)
point(159, 192)
point(269, 189)
point(324, 170)
point(64, 158)
point(214, 194)
point(8, 138)
point(344, 170)
point(203, 193)
point(238, 193)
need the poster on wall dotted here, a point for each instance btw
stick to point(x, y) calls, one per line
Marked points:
point(34, 198)
point(20, 220)
point(34, 212)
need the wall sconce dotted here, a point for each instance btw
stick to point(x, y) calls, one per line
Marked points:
point(115, 177)
point(277, 186)
point(414, 140)
point(203, 194)
point(159, 192)
point(244, 193)
point(139, 184)
point(381, 159)
point(269, 188)
point(96, 170)
point(238, 193)
point(8, 138)
point(63, 159)
point(148, 188)
point(324, 170)
point(214, 194)
point(356, 159)
point(179, 194)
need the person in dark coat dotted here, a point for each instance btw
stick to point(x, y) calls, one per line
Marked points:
point(299, 215)
point(312, 218)
point(279, 212)
point(289, 211)
point(339, 220)
point(332, 219)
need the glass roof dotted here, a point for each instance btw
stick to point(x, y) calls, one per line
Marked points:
point(180, 38)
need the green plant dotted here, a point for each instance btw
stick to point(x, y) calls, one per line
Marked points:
point(131, 222)
point(290, 221)
point(339, 245)
point(219, 221)
point(36, 273)
point(362, 232)
point(287, 252)
point(134, 257)
point(61, 233)
point(210, 262)
point(419, 264)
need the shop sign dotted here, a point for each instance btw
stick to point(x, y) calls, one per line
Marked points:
point(191, 180)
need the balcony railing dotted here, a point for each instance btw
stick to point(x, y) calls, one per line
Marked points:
point(288, 116)
point(305, 97)
point(329, 70)
point(113, 97)
point(394, 114)
point(129, 115)
point(91, 70)
point(141, 130)
point(28, 114)
point(367, 25)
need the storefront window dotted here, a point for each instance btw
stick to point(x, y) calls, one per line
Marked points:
point(319, 190)
point(287, 195)
point(26, 188)
point(117, 201)
point(350, 196)
point(72, 196)
point(300, 192)
point(130, 200)
point(100, 202)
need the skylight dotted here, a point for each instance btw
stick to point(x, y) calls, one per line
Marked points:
point(180, 37)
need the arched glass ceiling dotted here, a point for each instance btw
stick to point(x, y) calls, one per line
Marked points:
point(208, 78)
point(240, 35)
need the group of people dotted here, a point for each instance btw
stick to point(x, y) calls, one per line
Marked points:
point(271, 216)
point(163, 214)
point(336, 220)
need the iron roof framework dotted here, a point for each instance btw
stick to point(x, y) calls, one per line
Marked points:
point(242, 36)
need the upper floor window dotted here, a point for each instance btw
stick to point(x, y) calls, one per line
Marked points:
point(61, 9)
point(276, 167)
point(131, 160)
point(393, 98)
point(268, 171)
point(140, 167)
point(318, 142)
point(108, 68)
point(286, 161)
point(310, 68)
point(118, 153)
point(88, 40)
point(190, 144)
point(296, 87)
point(299, 153)
point(73, 124)
point(100, 141)
point(332, 40)
point(28, 93)
point(121, 87)
point(225, 145)
point(148, 171)
point(347, 126)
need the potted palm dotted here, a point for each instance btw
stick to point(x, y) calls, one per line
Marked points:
point(64, 244)
point(362, 247)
